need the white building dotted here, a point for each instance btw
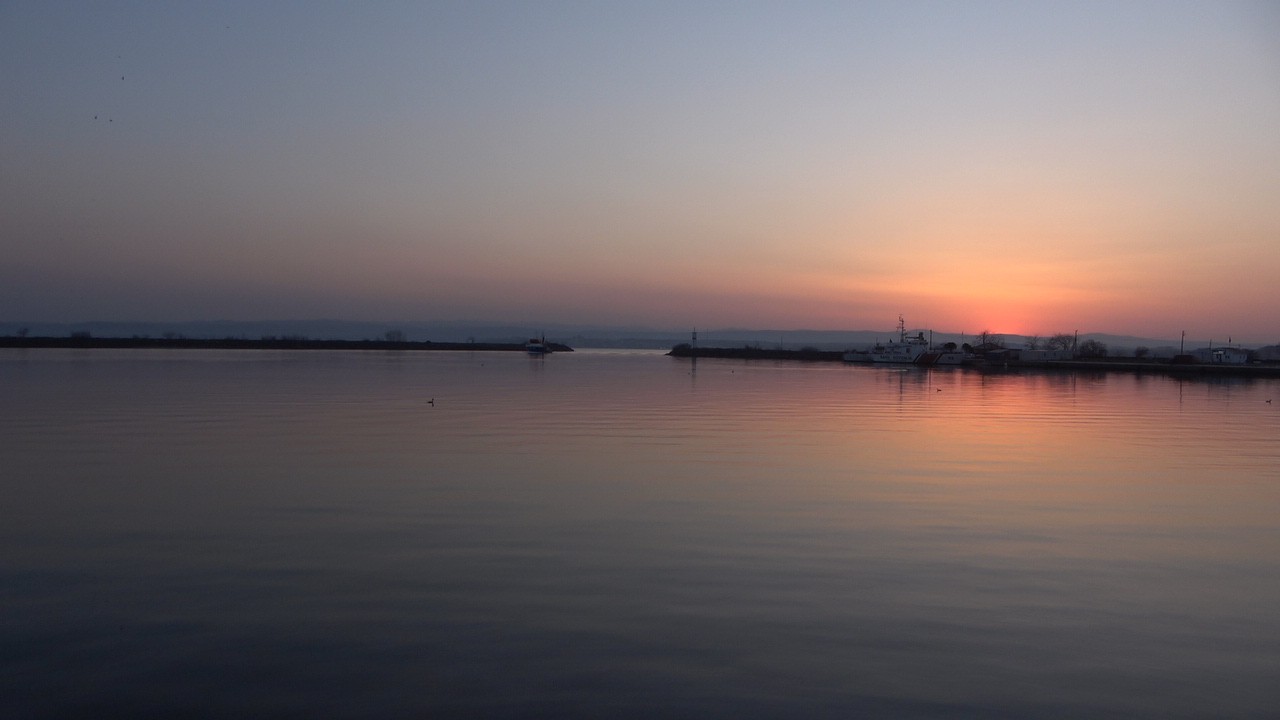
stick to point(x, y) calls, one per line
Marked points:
point(1222, 356)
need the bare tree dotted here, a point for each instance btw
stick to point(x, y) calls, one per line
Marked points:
point(1033, 342)
point(1092, 349)
point(1061, 341)
point(988, 339)
point(1141, 351)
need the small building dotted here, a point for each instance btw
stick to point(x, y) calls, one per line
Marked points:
point(1222, 356)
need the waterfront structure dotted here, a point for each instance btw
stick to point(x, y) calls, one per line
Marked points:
point(1221, 355)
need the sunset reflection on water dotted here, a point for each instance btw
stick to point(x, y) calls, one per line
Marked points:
point(633, 535)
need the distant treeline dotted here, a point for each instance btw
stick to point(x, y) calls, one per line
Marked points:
point(84, 340)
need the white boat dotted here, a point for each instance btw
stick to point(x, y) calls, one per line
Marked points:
point(908, 348)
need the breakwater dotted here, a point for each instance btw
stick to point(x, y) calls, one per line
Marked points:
point(756, 353)
point(1159, 366)
point(260, 344)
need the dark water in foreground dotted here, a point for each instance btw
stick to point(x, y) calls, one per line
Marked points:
point(230, 534)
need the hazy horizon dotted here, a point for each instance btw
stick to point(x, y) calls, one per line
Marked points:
point(488, 331)
point(1023, 168)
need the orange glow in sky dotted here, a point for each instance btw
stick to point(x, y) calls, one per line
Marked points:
point(1028, 169)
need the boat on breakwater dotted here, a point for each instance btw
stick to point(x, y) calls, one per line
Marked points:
point(908, 349)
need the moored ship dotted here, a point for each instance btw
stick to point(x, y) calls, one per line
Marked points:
point(907, 349)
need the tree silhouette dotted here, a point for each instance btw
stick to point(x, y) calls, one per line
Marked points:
point(1061, 341)
point(1092, 349)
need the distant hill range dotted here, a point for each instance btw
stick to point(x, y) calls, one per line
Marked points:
point(577, 336)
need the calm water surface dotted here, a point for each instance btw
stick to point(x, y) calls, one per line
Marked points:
point(612, 534)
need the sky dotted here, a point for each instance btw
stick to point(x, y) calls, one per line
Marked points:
point(1026, 168)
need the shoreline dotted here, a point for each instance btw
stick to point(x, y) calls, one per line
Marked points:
point(1162, 367)
point(92, 343)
